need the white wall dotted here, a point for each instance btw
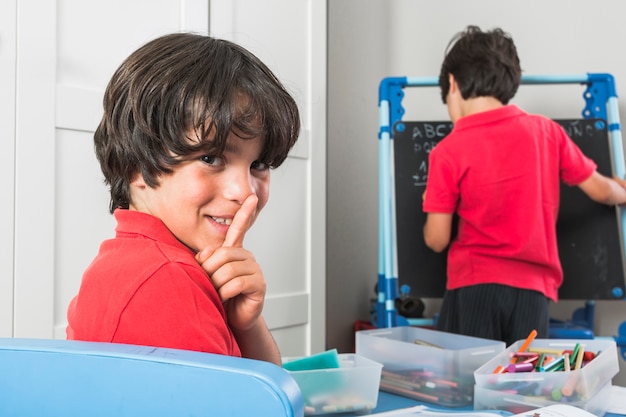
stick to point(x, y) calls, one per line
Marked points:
point(373, 39)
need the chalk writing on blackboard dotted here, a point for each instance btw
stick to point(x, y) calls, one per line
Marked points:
point(582, 128)
point(429, 130)
point(424, 138)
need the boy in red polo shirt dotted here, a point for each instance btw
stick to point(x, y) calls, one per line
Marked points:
point(191, 127)
point(500, 170)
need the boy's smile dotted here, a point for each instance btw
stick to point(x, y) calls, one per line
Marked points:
point(199, 199)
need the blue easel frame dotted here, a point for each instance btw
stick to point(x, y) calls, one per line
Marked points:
point(601, 102)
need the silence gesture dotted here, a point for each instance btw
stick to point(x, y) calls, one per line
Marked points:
point(234, 271)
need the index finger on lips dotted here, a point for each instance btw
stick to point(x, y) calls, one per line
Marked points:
point(241, 222)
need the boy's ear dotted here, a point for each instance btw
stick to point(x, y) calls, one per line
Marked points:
point(138, 181)
point(453, 85)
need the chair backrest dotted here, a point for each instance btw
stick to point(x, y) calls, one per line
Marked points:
point(72, 378)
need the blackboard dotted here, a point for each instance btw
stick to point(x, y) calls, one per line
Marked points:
point(588, 233)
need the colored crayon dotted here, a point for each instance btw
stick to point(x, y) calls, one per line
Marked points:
point(553, 365)
point(566, 362)
point(520, 367)
point(499, 369)
point(556, 352)
point(526, 344)
point(542, 357)
point(579, 358)
point(574, 353)
point(524, 354)
point(568, 388)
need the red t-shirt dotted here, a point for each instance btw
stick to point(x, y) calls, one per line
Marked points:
point(500, 170)
point(144, 287)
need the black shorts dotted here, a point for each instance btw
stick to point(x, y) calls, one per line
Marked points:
point(493, 311)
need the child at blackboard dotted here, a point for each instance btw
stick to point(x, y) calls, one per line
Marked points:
point(499, 170)
point(192, 126)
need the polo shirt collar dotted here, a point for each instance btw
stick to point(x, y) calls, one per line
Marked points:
point(138, 223)
point(489, 116)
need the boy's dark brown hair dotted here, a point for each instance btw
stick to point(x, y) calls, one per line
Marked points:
point(484, 64)
point(180, 85)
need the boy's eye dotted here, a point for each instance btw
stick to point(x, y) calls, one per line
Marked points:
point(211, 160)
point(259, 166)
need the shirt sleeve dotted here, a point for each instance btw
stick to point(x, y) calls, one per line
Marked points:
point(177, 307)
point(442, 185)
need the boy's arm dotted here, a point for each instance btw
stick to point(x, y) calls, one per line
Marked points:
point(258, 343)
point(437, 230)
point(604, 190)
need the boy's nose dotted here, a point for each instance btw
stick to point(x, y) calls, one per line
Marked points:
point(239, 187)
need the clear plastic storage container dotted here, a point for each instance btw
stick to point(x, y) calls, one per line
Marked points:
point(427, 365)
point(351, 387)
point(575, 386)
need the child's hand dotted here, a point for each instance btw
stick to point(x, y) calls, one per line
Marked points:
point(235, 273)
point(620, 181)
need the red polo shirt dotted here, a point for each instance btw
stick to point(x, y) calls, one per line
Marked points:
point(144, 287)
point(500, 170)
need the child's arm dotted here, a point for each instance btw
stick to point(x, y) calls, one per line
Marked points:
point(604, 190)
point(240, 283)
point(437, 230)
point(258, 343)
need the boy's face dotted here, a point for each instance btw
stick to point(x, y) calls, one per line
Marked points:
point(199, 199)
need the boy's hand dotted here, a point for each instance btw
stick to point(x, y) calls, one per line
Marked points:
point(235, 273)
point(620, 181)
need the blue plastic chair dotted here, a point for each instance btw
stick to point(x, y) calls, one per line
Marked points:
point(72, 378)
